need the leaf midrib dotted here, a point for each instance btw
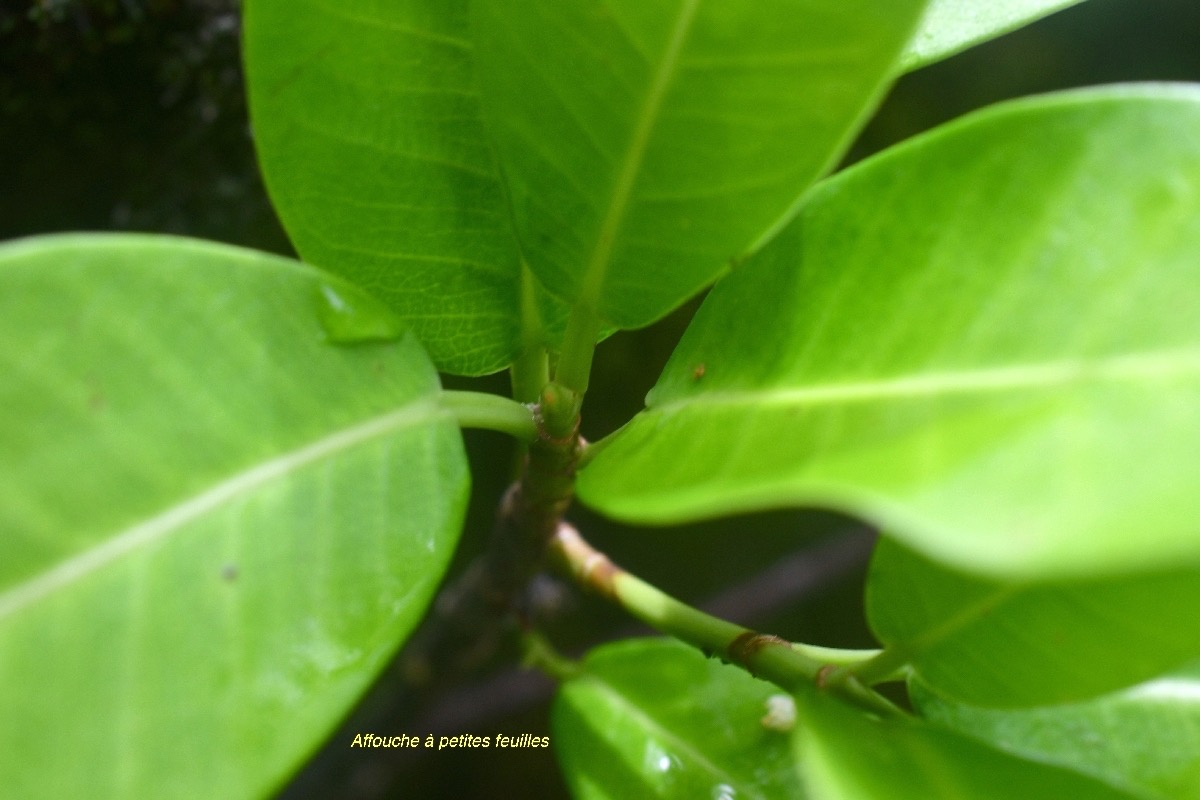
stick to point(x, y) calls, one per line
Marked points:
point(175, 518)
point(1156, 365)
point(989, 602)
point(596, 271)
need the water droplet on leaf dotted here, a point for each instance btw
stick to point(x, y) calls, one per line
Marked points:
point(659, 761)
point(723, 791)
point(350, 315)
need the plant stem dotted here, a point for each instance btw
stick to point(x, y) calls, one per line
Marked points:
point(472, 613)
point(579, 345)
point(491, 412)
point(536, 651)
point(762, 655)
point(889, 665)
point(835, 656)
point(529, 374)
point(531, 370)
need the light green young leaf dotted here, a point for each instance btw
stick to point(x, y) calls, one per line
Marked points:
point(369, 134)
point(950, 26)
point(653, 718)
point(1146, 739)
point(983, 340)
point(995, 643)
point(216, 526)
point(646, 145)
point(845, 755)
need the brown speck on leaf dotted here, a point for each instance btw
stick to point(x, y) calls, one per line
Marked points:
point(229, 572)
point(699, 371)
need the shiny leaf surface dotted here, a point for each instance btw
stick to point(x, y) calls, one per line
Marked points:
point(216, 525)
point(996, 643)
point(646, 145)
point(845, 755)
point(369, 133)
point(983, 340)
point(654, 718)
point(950, 26)
point(1146, 738)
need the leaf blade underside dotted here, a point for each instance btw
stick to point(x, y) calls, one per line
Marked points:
point(967, 339)
point(370, 137)
point(1009, 644)
point(647, 146)
point(217, 525)
point(843, 753)
point(1146, 738)
point(951, 26)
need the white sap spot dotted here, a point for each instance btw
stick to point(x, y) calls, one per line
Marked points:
point(781, 713)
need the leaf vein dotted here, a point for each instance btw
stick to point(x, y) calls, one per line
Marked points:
point(631, 163)
point(1150, 365)
point(146, 533)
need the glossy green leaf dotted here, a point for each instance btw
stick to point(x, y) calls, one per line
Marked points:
point(845, 755)
point(654, 718)
point(646, 145)
point(216, 526)
point(1146, 739)
point(369, 134)
point(995, 643)
point(983, 340)
point(950, 26)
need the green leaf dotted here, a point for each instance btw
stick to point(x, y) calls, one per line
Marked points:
point(951, 26)
point(1146, 739)
point(370, 137)
point(845, 755)
point(654, 718)
point(646, 145)
point(984, 340)
point(997, 643)
point(216, 526)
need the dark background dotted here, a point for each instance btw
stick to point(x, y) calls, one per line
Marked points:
point(130, 115)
